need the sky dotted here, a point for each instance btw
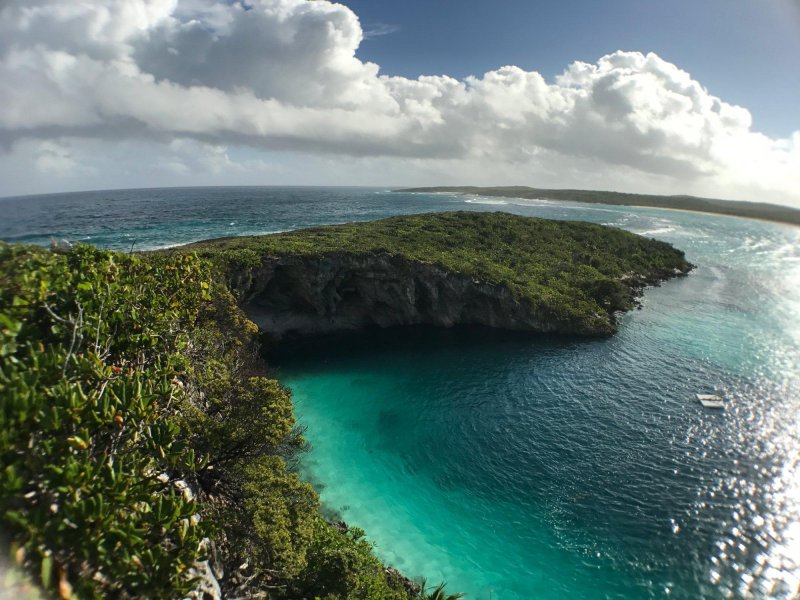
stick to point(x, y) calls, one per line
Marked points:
point(631, 95)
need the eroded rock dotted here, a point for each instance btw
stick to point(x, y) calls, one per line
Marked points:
point(333, 292)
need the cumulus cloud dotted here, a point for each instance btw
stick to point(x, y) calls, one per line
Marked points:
point(283, 75)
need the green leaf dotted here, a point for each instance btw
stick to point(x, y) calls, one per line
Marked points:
point(47, 571)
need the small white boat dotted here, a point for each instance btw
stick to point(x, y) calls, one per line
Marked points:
point(711, 400)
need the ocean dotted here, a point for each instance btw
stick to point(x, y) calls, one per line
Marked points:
point(519, 467)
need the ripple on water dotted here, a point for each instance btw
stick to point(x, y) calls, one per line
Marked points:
point(517, 468)
point(542, 468)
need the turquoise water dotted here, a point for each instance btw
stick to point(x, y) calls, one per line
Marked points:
point(518, 467)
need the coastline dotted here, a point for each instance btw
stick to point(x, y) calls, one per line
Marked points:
point(683, 305)
point(727, 208)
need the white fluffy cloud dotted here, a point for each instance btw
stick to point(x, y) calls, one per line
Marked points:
point(198, 76)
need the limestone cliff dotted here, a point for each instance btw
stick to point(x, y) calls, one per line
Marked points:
point(494, 269)
point(333, 292)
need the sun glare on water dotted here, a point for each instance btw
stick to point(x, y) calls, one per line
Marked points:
point(763, 542)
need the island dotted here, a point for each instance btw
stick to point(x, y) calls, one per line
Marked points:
point(735, 208)
point(147, 450)
point(494, 269)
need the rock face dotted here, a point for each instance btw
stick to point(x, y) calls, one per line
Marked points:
point(333, 292)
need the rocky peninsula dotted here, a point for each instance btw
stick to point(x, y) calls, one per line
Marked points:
point(444, 269)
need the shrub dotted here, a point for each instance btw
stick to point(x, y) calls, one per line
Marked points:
point(89, 453)
point(341, 565)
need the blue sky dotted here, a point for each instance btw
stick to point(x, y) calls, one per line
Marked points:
point(745, 51)
point(670, 97)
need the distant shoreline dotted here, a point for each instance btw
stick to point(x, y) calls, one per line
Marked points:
point(749, 210)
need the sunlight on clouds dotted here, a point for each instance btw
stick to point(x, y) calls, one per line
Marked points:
point(282, 75)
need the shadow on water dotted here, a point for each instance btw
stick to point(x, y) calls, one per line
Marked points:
point(404, 340)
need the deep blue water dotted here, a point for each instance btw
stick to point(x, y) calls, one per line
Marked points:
point(519, 467)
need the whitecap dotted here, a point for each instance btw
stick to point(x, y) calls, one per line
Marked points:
point(483, 201)
point(262, 232)
point(534, 202)
point(157, 246)
point(656, 231)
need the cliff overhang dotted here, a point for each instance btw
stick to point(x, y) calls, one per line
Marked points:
point(313, 295)
point(308, 295)
point(491, 269)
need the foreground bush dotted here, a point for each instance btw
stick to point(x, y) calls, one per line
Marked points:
point(140, 435)
point(90, 344)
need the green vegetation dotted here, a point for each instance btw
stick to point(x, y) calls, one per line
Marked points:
point(140, 434)
point(439, 593)
point(751, 210)
point(574, 274)
point(89, 451)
